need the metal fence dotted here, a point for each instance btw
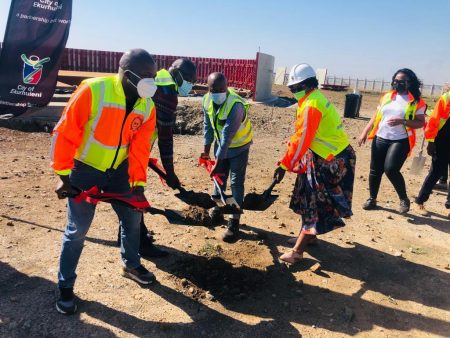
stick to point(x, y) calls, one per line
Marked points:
point(379, 86)
point(241, 73)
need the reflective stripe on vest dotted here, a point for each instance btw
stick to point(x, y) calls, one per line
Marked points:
point(410, 114)
point(93, 151)
point(330, 138)
point(244, 134)
point(164, 78)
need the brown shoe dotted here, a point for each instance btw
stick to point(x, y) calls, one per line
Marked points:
point(232, 233)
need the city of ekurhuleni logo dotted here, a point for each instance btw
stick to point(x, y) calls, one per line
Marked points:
point(32, 68)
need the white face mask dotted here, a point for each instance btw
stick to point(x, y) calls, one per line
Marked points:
point(146, 87)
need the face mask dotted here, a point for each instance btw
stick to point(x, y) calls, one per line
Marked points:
point(218, 98)
point(300, 94)
point(146, 87)
point(399, 86)
point(185, 88)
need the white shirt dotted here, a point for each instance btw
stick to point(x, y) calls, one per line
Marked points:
point(396, 108)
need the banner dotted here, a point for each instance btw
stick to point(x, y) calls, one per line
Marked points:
point(35, 38)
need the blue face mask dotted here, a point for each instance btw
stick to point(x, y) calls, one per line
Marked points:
point(218, 98)
point(185, 88)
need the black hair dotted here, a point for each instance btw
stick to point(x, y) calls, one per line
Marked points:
point(413, 80)
point(133, 57)
point(311, 82)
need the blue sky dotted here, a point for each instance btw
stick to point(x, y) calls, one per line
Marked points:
point(364, 38)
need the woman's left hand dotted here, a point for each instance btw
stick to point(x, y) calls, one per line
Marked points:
point(395, 121)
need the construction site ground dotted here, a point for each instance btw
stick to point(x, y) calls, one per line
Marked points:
point(382, 275)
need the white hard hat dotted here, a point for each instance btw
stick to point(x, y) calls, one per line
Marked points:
point(299, 73)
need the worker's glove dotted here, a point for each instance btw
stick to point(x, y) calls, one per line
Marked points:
point(63, 187)
point(138, 191)
point(205, 156)
point(431, 148)
point(278, 175)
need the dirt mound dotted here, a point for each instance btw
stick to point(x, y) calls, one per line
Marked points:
point(189, 120)
point(197, 216)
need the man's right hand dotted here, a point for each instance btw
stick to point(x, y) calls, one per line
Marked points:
point(63, 187)
point(205, 156)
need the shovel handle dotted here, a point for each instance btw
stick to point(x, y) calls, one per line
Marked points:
point(222, 195)
point(152, 165)
point(268, 191)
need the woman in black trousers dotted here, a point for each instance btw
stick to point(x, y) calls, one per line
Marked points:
point(392, 129)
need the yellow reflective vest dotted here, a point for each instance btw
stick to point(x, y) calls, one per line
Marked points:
point(244, 135)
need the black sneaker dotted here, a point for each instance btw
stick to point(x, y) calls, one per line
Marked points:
point(216, 217)
point(370, 204)
point(140, 275)
point(66, 302)
point(447, 205)
point(232, 233)
point(404, 206)
point(149, 250)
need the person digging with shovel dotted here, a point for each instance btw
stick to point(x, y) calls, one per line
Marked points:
point(102, 140)
point(319, 151)
point(226, 123)
point(178, 80)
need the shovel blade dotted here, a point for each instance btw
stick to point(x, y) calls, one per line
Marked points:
point(258, 202)
point(417, 165)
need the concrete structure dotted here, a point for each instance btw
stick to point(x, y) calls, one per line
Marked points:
point(264, 76)
point(321, 75)
point(280, 75)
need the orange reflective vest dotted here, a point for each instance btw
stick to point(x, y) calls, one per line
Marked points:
point(410, 113)
point(318, 127)
point(95, 129)
point(438, 117)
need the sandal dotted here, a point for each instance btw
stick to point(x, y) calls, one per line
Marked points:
point(291, 257)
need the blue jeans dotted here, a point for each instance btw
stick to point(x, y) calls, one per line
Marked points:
point(80, 216)
point(236, 168)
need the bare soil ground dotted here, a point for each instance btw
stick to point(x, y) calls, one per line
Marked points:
point(383, 275)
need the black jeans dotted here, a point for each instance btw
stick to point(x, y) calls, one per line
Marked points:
point(439, 164)
point(388, 157)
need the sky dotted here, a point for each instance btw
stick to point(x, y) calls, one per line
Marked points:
point(357, 38)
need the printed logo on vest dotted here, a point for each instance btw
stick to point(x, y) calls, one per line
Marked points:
point(136, 123)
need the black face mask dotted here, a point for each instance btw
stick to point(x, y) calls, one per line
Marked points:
point(399, 86)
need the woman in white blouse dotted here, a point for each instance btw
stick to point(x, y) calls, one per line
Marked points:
point(392, 129)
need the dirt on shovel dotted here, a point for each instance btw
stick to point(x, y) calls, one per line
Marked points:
point(196, 216)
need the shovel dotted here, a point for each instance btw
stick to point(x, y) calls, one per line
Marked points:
point(226, 203)
point(260, 202)
point(94, 196)
point(418, 162)
point(189, 197)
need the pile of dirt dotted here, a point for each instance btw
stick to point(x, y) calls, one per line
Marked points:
point(196, 216)
point(189, 120)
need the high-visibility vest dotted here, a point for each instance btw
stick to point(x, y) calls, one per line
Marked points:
point(244, 135)
point(330, 138)
point(410, 112)
point(164, 78)
point(318, 127)
point(108, 133)
point(438, 117)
